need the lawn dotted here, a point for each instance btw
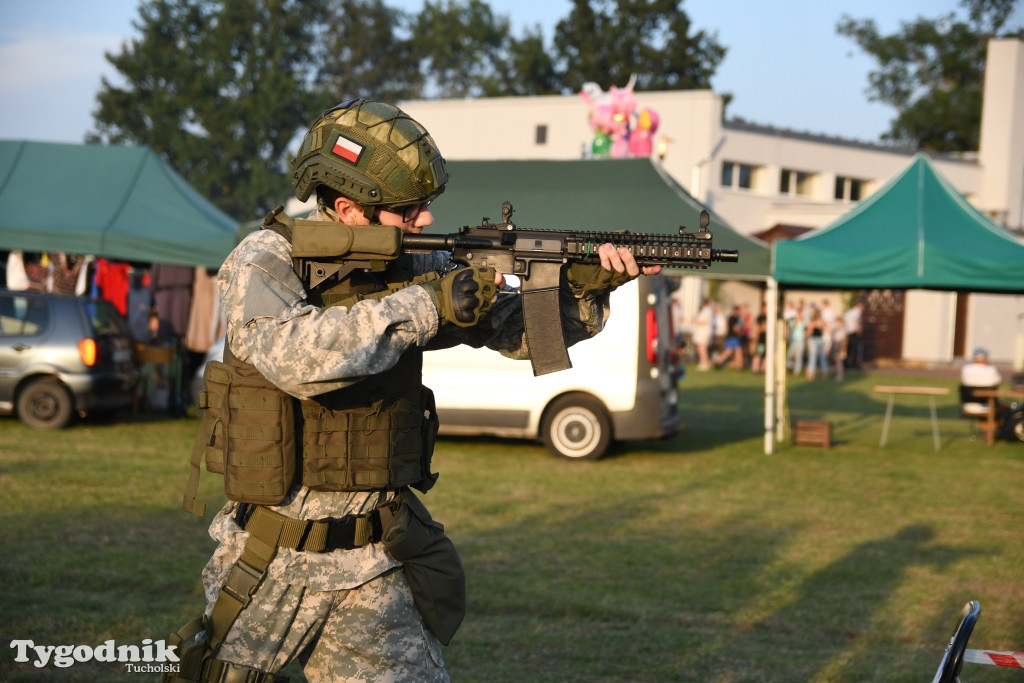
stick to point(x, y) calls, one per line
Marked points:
point(692, 559)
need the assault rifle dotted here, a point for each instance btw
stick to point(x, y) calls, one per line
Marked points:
point(325, 252)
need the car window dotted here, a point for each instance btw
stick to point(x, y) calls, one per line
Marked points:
point(23, 316)
point(105, 320)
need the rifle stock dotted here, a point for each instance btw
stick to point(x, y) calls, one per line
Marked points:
point(534, 255)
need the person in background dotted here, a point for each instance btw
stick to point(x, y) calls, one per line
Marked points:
point(797, 340)
point(760, 340)
point(980, 374)
point(733, 348)
point(702, 332)
point(853, 319)
point(816, 333)
point(838, 353)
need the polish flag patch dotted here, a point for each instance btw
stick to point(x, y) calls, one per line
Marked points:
point(349, 150)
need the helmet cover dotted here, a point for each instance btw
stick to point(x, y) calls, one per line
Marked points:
point(371, 152)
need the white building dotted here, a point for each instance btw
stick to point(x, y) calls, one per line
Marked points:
point(757, 177)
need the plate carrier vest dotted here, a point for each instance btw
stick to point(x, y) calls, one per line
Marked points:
point(375, 434)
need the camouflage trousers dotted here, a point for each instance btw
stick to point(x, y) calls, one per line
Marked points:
point(371, 633)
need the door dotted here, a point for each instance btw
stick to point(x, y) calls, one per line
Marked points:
point(883, 323)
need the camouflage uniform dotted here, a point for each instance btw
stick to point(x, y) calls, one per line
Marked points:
point(346, 614)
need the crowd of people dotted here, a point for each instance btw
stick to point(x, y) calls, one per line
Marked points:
point(819, 340)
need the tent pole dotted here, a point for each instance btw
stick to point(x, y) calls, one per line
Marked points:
point(771, 318)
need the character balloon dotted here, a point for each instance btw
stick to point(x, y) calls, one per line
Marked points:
point(642, 136)
point(619, 131)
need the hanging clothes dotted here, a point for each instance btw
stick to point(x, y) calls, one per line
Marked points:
point(205, 322)
point(17, 278)
point(172, 292)
point(112, 283)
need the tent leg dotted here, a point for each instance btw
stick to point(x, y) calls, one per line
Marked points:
point(771, 318)
point(888, 418)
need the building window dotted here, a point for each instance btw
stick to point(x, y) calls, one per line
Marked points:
point(795, 183)
point(849, 189)
point(738, 176)
point(542, 134)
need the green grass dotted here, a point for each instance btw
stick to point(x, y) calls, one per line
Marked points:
point(692, 559)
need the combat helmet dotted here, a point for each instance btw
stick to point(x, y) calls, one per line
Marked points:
point(371, 152)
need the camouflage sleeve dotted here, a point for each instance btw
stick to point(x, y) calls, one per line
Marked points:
point(303, 350)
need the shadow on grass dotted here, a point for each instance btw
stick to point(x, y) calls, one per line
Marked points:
point(838, 603)
point(681, 605)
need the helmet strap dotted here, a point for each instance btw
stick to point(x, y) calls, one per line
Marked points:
point(372, 213)
point(328, 211)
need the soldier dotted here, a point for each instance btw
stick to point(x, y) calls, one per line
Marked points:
point(326, 572)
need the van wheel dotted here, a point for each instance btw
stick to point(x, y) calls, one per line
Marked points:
point(576, 426)
point(45, 404)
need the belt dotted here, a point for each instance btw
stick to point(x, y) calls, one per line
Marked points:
point(317, 536)
point(268, 531)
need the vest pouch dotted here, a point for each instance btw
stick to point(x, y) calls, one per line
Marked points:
point(368, 448)
point(193, 651)
point(428, 434)
point(249, 427)
point(431, 564)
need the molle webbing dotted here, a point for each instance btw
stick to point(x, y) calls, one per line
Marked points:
point(248, 434)
point(362, 449)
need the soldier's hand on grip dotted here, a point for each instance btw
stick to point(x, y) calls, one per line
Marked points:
point(463, 296)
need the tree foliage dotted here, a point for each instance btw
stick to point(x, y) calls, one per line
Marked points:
point(932, 72)
point(460, 45)
point(218, 89)
point(367, 55)
point(609, 40)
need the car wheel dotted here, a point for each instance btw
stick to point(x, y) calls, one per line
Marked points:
point(45, 404)
point(576, 426)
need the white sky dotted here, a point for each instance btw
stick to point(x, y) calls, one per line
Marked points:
point(785, 67)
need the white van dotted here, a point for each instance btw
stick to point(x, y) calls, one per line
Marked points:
point(622, 385)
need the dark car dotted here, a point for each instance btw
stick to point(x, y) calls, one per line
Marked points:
point(62, 357)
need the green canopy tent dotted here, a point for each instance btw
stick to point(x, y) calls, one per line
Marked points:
point(917, 232)
point(607, 194)
point(113, 201)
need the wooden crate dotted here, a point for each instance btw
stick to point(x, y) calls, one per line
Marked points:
point(812, 433)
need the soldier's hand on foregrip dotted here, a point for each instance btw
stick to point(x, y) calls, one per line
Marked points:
point(463, 296)
point(587, 277)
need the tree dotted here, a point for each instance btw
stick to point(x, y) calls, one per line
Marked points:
point(527, 68)
point(607, 41)
point(219, 89)
point(932, 73)
point(366, 54)
point(460, 46)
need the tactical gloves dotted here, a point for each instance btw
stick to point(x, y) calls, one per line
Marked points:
point(584, 277)
point(463, 296)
